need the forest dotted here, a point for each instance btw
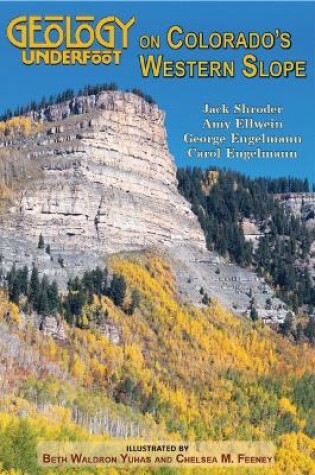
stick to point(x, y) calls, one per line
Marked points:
point(223, 199)
point(43, 297)
point(243, 381)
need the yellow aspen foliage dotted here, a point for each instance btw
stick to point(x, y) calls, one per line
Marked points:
point(134, 357)
point(286, 406)
point(77, 368)
point(194, 372)
point(9, 311)
point(64, 358)
point(98, 370)
point(51, 349)
point(296, 454)
point(19, 125)
point(6, 420)
point(9, 472)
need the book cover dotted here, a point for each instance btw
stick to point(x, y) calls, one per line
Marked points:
point(157, 237)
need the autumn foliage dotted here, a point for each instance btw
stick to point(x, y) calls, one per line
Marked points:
point(176, 371)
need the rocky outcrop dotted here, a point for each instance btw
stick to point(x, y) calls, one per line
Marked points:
point(108, 184)
point(252, 231)
point(301, 205)
point(110, 331)
point(50, 326)
point(199, 273)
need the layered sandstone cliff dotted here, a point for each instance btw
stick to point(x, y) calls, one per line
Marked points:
point(107, 184)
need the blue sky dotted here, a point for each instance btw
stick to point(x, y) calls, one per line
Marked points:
point(182, 99)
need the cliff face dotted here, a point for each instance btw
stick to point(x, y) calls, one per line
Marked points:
point(109, 184)
point(301, 205)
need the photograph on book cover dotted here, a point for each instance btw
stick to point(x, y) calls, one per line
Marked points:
point(157, 238)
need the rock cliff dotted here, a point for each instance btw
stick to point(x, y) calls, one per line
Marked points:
point(108, 184)
point(301, 205)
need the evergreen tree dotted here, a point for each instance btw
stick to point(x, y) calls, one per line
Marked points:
point(42, 306)
point(15, 291)
point(41, 243)
point(88, 282)
point(98, 278)
point(34, 287)
point(11, 276)
point(205, 299)
point(287, 325)
point(253, 314)
point(61, 261)
point(24, 280)
point(117, 291)
point(73, 304)
point(52, 295)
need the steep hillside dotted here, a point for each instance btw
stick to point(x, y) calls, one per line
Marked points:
point(243, 381)
point(302, 206)
point(115, 319)
point(258, 225)
point(90, 175)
